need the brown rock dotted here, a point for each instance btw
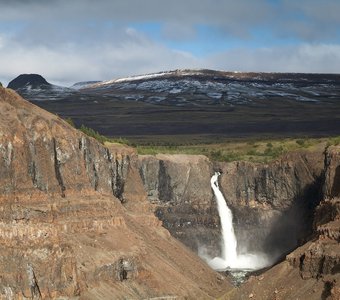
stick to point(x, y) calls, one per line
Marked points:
point(75, 221)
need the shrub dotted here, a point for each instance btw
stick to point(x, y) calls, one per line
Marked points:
point(70, 122)
point(92, 133)
point(252, 152)
point(216, 155)
point(300, 142)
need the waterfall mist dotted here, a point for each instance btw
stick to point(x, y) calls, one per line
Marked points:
point(230, 258)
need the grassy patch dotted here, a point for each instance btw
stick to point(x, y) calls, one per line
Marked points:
point(92, 133)
point(217, 148)
point(246, 150)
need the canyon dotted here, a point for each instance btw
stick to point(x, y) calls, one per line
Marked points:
point(82, 220)
point(75, 220)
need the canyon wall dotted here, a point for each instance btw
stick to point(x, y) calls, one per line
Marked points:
point(272, 203)
point(289, 209)
point(75, 221)
point(77, 218)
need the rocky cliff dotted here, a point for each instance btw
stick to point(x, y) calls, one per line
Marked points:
point(75, 220)
point(77, 217)
point(291, 203)
point(268, 200)
point(312, 271)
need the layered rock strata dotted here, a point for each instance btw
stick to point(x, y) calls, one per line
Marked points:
point(291, 203)
point(268, 200)
point(75, 221)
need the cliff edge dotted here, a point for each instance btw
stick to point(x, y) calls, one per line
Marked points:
point(75, 221)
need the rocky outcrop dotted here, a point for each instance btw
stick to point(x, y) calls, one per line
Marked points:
point(75, 221)
point(272, 203)
point(42, 154)
point(321, 257)
point(332, 180)
point(312, 271)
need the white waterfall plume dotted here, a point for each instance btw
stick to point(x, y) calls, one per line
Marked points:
point(229, 242)
point(229, 258)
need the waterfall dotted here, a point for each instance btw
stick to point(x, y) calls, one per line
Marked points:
point(229, 242)
point(230, 259)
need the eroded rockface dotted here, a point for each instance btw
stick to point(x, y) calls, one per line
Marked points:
point(293, 201)
point(75, 220)
point(272, 203)
point(42, 154)
point(312, 271)
point(179, 186)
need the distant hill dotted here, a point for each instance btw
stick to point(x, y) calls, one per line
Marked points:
point(34, 86)
point(200, 102)
point(30, 81)
point(83, 84)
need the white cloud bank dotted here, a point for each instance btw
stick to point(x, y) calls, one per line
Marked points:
point(69, 41)
point(305, 58)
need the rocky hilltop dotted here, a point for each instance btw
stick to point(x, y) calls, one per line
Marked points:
point(35, 86)
point(30, 81)
point(75, 220)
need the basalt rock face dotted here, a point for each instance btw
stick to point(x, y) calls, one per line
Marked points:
point(294, 199)
point(332, 180)
point(312, 271)
point(179, 186)
point(272, 203)
point(75, 220)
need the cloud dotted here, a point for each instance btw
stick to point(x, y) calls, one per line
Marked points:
point(310, 20)
point(306, 58)
point(131, 53)
point(69, 41)
point(227, 14)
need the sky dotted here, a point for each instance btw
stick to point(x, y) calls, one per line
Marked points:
point(70, 41)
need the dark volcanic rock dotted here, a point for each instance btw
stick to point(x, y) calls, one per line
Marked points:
point(268, 200)
point(33, 81)
point(276, 208)
point(180, 187)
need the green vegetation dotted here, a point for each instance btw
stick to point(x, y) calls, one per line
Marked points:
point(70, 121)
point(0, 84)
point(92, 133)
point(333, 141)
point(263, 150)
